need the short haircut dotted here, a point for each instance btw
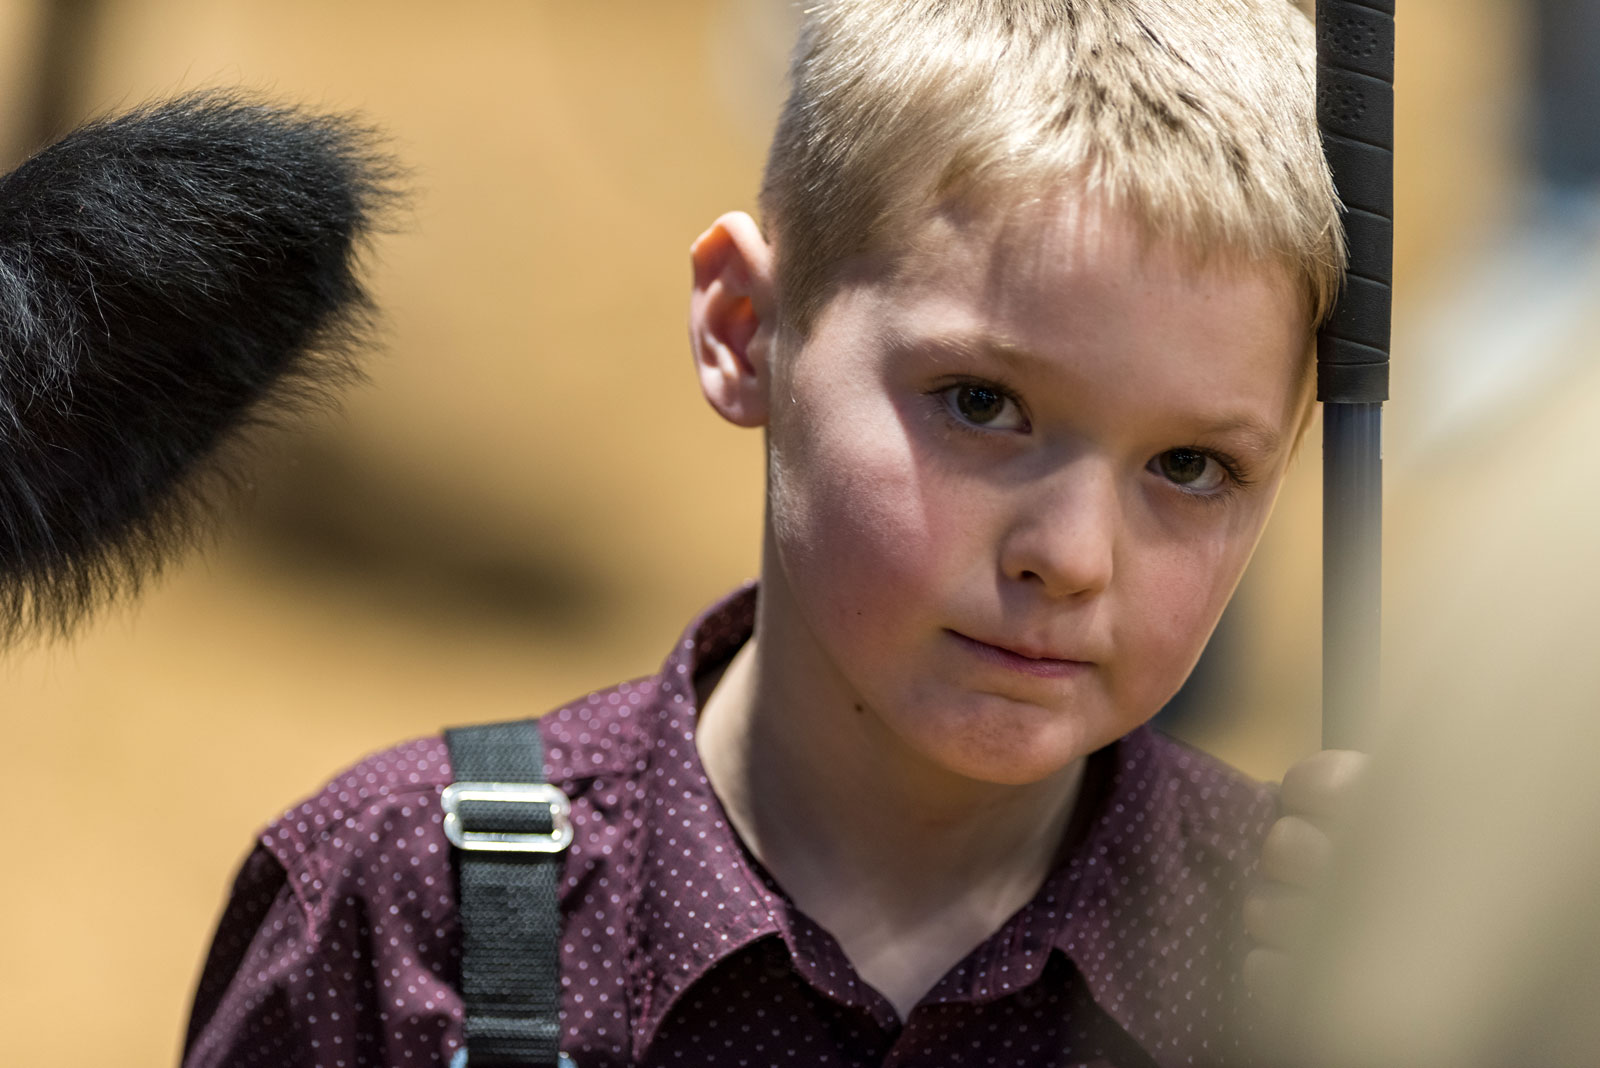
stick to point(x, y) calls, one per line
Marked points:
point(1197, 116)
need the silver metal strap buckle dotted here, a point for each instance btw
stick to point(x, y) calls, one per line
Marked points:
point(460, 1060)
point(508, 793)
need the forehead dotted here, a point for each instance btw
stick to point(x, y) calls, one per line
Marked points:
point(1073, 243)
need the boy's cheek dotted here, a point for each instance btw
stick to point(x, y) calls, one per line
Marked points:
point(1172, 613)
point(876, 570)
point(860, 510)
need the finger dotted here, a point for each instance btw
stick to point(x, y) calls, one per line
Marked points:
point(1322, 784)
point(1297, 852)
point(1267, 975)
point(1276, 915)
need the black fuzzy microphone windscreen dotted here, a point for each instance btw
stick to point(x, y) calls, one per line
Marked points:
point(168, 278)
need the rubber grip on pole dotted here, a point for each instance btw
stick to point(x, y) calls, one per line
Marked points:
point(1355, 110)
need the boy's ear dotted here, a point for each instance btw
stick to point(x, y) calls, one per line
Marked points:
point(731, 320)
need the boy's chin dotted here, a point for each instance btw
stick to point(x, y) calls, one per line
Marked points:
point(1012, 774)
point(1011, 745)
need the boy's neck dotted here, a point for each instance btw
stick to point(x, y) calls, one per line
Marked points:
point(907, 864)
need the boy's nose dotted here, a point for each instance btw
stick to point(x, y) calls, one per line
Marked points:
point(1063, 538)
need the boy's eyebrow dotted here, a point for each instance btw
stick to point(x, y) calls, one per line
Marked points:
point(957, 345)
point(962, 345)
point(1257, 436)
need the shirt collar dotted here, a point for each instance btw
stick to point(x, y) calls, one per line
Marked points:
point(1128, 904)
point(1142, 890)
point(703, 896)
point(700, 897)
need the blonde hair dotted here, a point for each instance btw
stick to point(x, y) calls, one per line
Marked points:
point(1198, 116)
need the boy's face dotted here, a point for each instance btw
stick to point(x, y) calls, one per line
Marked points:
point(1015, 480)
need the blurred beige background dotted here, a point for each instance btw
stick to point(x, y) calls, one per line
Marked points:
point(529, 500)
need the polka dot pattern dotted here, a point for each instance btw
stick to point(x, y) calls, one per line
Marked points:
point(340, 945)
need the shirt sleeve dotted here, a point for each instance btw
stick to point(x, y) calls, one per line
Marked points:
point(327, 961)
point(256, 890)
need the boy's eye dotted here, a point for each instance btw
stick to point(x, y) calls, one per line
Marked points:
point(985, 406)
point(1192, 469)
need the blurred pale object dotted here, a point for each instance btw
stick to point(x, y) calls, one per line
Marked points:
point(1464, 928)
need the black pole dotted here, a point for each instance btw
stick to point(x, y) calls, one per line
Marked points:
point(1352, 532)
point(1355, 111)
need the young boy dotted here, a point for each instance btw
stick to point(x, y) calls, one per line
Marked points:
point(1027, 325)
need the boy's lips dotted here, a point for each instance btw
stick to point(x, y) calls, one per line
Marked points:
point(1027, 661)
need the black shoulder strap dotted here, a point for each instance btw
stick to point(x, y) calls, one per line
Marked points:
point(510, 828)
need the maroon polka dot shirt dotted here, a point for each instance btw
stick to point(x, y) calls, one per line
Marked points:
point(340, 945)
